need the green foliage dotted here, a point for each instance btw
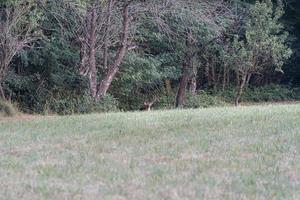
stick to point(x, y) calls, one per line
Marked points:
point(141, 78)
point(7, 109)
point(202, 100)
point(107, 104)
point(264, 42)
point(166, 102)
point(81, 105)
point(296, 93)
point(266, 93)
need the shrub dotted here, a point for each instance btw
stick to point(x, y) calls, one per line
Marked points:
point(266, 93)
point(106, 104)
point(199, 100)
point(296, 93)
point(84, 104)
point(202, 100)
point(166, 102)
point(7, 109)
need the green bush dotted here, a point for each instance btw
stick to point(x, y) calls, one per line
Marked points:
point(84, 104)
point(296, 93)
point(7, 109)
point(266, 93)
point(202, 100)
point(199, 100)
point(166, 102)
point(105, 104)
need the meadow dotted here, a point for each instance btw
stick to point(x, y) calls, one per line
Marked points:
point(250, 152)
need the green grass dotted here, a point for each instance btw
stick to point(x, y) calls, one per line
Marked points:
point(219, 153)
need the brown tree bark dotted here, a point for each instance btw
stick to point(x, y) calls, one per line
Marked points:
point(207, 73)
point(241, 89)
point(168, 86)
point(181, 94)
point(2, 94)
point(224, 78)
point(107, 33)
point(193, 86)
point(180, 98)
point(213, 76)
point(193, 80)
point(248, 79)
point(92, 55)
point(238, 81)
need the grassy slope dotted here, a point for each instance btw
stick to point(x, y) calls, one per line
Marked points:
point(219, 153)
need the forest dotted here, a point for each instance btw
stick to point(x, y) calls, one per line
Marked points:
point(82, 56)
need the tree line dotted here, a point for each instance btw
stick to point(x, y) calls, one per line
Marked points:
point(81, 55)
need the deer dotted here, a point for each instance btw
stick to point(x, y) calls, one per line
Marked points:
point(148, 105)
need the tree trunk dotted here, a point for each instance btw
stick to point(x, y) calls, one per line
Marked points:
point(193, 86)
point(168, 86)
point(2, 94)
point(182, 85)
point(213, 74)
point(238, 81)
point(181, 94)
point(113, 69)
point(106, 82)
point(207, 73)
point(241, 89)
point(107, 34)
point(248, 79)
point(224, 78)
point(92, 52)
point(193, 80)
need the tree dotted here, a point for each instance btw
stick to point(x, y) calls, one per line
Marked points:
point(198, 22)
point(17, 31)
point(262, 45)
point(106, 30)
point(292, 22)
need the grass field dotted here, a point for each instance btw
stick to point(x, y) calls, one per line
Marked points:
point(219, 153)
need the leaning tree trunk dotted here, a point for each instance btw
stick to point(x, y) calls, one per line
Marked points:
point(180, 98)
point(2, 94)
point(3, 71)
point(241, 89)
point(114, 68)
point(248, 79)
point(106, 82)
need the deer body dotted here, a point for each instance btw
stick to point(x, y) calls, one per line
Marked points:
point(148, 105)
